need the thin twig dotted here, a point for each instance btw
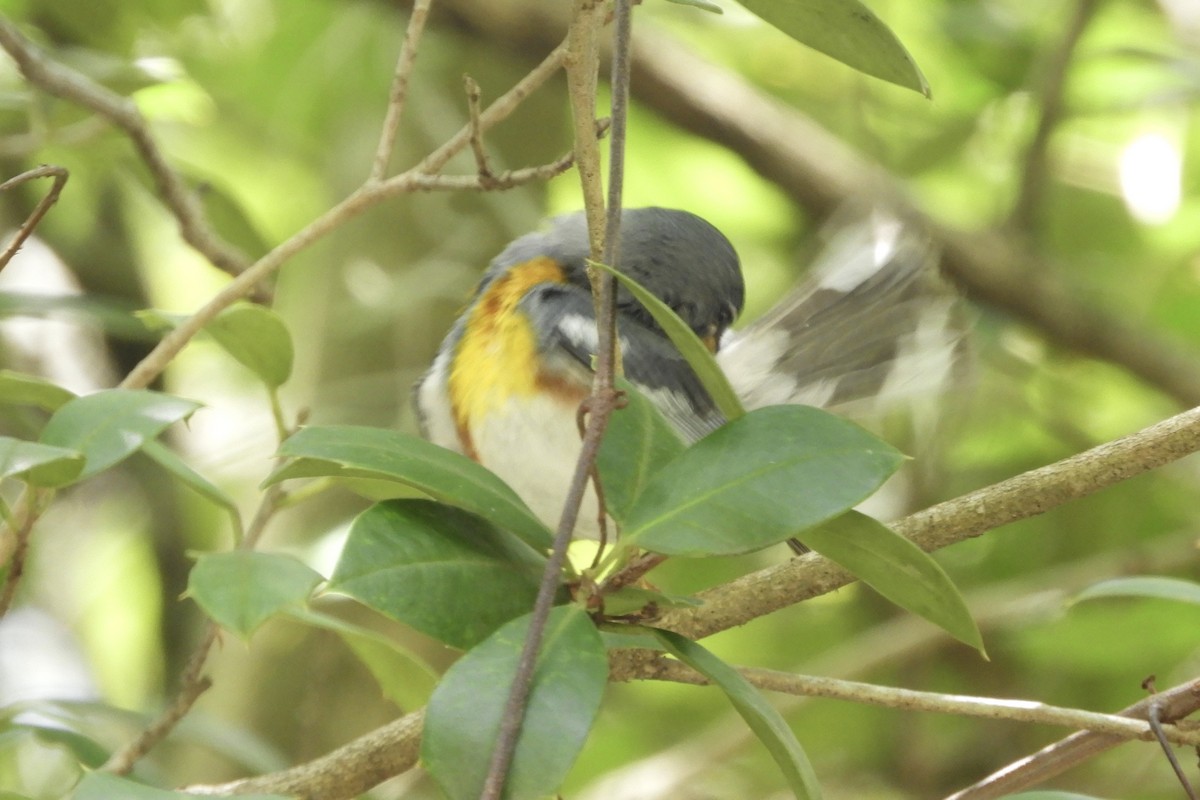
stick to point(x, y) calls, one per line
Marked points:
point(60, 175)
point(358, 202)
point(399, 91)
point(193, 683)
point(64, 82)
point(962, 705)
point(495, 113)
point(1164, 741)
point(581, 65)
point(481, 158)
point(25, 514)
point(1034, 176)
point(1176, 703)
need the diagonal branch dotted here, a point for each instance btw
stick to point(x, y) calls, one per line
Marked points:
point(1034, 176)
point(1175, 703)
point(64, 82)
point(399, 91)
point(59, 174)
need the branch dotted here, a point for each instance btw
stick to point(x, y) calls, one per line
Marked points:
point(59, 174)
point(193, 684)
point(64, 82)
point(399, 91)
point(1035, 174)
point(343, 773)
point(1118, 726)
point(366, 197)
point(1175, 703)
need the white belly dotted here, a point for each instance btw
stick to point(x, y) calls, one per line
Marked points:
point(533, 444)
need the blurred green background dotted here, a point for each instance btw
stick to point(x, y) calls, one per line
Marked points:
point(273, 108)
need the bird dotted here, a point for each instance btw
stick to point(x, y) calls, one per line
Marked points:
point(871, 324)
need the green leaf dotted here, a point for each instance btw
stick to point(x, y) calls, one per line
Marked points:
point(166, 458)
point(757, 481)
point(103, 786)
point(39, 464)
point(761, 716)
point(405, 678)
point(464, 713)
point(112, 315)
point(639, 441)
point(1143, 586)
point(18, 389)
point(703, 5)
point(108, 426)
point(845, 30)
point(258, 339)
point(688, 343)
point(241, 590)
point(897, 569)
point(360, 452)
point(444, 571)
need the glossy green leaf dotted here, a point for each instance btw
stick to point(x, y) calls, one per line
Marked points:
point(761, 716)
point(1143, 586)
point(757, 481)
point(404, 677)
point(639, 441)
point(166, 458)
point(845, 30)
point(108, 426)
point(39, 464)
point(897, 569)
point(241, 590)
point(688, 343)
point(464, 713)
point(257, 338)
point(18, 389)
point(442, 570)
point(103, 786)
point(360, 452)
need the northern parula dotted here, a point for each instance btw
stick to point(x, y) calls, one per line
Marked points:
point(508, 379)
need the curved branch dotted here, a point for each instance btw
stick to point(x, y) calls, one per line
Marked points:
point(64, 82)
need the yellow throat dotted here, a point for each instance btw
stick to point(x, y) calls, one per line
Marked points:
point(496, 358)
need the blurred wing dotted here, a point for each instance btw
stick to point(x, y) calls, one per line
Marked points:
point(873, 323)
